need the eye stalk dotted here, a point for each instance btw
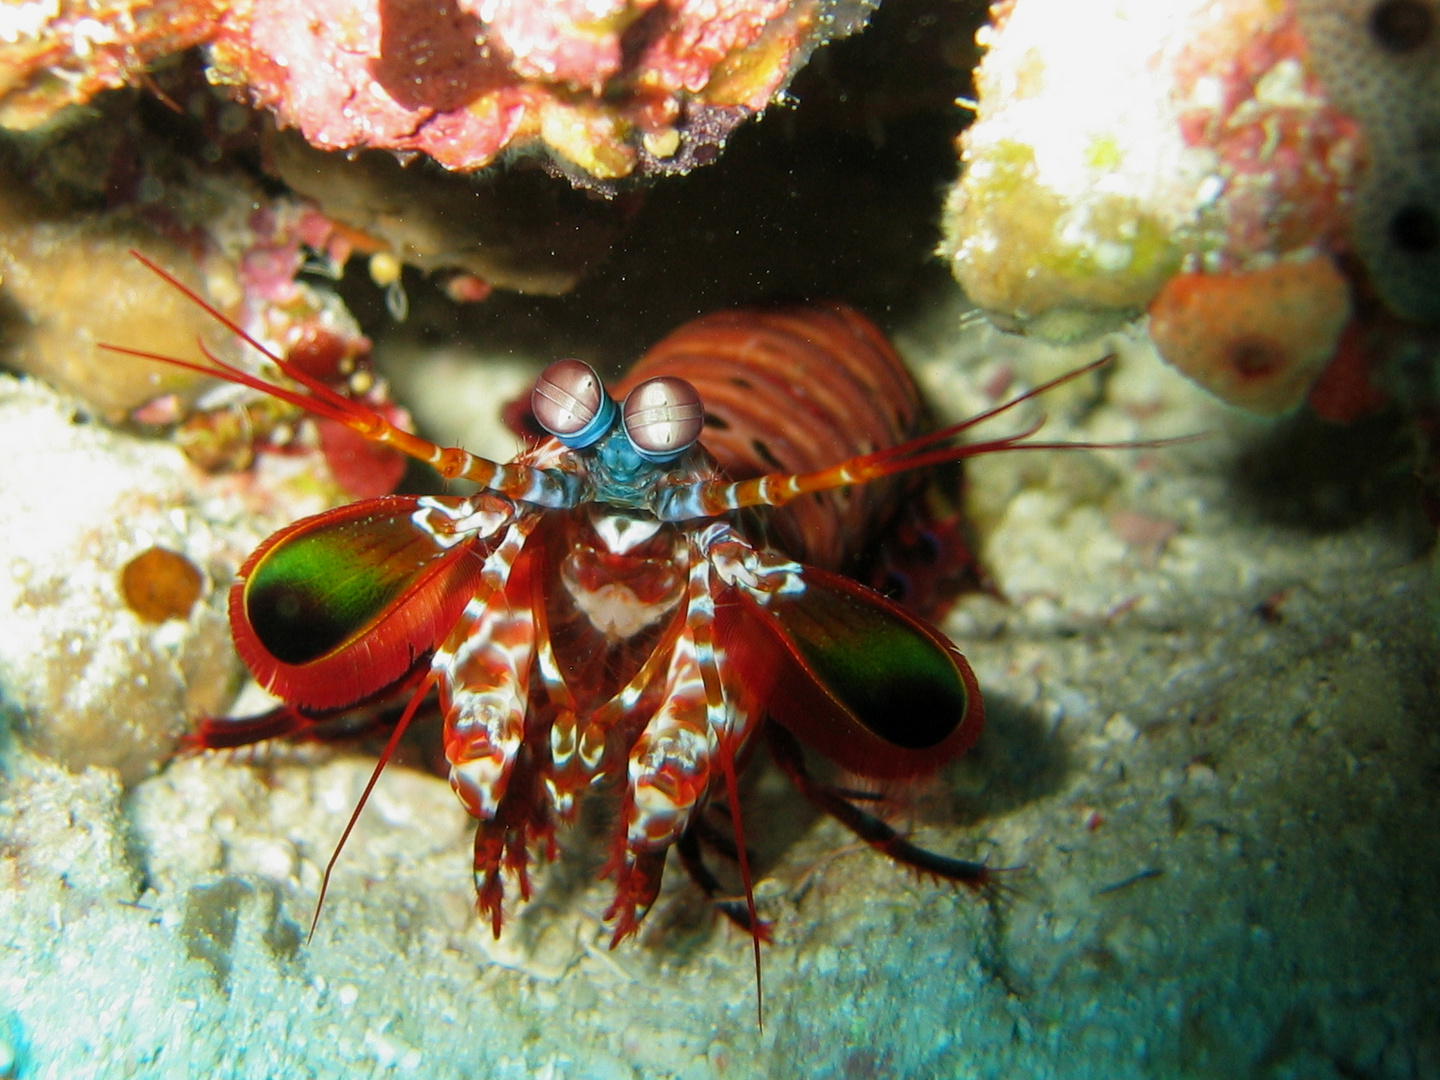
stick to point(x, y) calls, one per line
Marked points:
point(569, 401)
point(663, 417)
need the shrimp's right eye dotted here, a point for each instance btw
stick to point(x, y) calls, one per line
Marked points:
point(570, 402)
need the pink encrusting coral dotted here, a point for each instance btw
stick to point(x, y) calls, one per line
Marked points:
point(605, 87)
point(1288, 160)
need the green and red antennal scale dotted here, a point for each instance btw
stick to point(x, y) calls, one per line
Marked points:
point(634, 601)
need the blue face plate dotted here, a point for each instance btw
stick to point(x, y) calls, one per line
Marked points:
point(620, 475)
point(627, 448)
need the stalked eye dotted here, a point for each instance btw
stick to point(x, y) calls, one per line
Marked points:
point(663, 418)
point(570, 402)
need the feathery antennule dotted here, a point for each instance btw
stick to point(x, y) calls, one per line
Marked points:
point(711, 497)
point(540, 487)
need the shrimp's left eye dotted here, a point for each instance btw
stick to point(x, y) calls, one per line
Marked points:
point(570, 402)
point(663, 417)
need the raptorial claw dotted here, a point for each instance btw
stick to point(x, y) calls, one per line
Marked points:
point(637, 883)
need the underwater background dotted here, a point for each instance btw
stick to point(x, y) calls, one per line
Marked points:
point(1208, 786)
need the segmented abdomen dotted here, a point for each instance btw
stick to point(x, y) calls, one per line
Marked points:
point(796, 390)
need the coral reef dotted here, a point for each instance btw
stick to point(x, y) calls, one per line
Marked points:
point(113, 636)
point(70, 285)
point(605, 89)
point(69, 282)
point(513, 228)
point(461, 88)
point(56, 311)
point(1088, 183)
point(517, 229)
point(1209, 668)
point(1207, 140)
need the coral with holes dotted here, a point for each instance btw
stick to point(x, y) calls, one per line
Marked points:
point(1167, 156)
point(1379, 60)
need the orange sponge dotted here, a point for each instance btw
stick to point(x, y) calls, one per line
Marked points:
point(1258, 338)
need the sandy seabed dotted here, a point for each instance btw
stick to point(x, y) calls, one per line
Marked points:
point(1209, 771)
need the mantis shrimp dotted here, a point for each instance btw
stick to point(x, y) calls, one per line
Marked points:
point(635, 600)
